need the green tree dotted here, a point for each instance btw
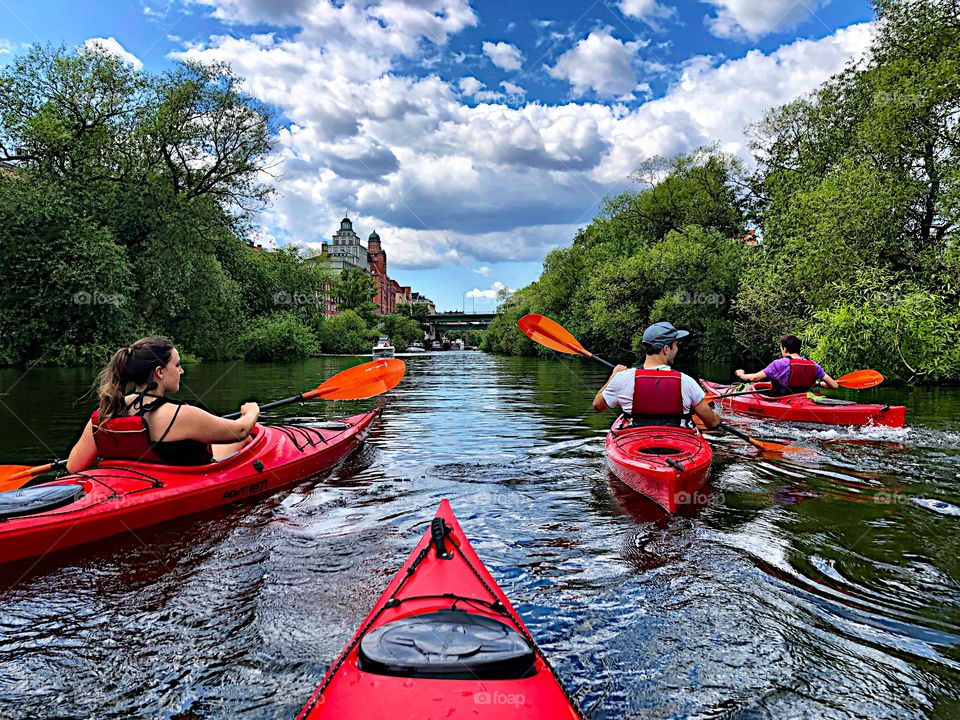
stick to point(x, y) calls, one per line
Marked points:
point(130, 180)
point(354, 290)
point(66, 290)
point(402, 331)
point(280, 336)
point(857, 190)
point(346, 334)
point(417, 311)
point(669, 251)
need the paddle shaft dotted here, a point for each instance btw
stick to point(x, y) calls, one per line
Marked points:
point(601, 360)
point(270, 405)
point(733, 431)
point(719, 396)
point(55, 466)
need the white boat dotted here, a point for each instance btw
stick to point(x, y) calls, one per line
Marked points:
point(415, 349)
point(457, 345)
point(437, 345)
point(383, 349)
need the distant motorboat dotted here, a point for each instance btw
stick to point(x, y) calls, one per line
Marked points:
point(457, 345)
point(437, 345)
point(383, 349)
point(415, 349)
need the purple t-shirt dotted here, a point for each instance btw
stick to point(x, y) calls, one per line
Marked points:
point(779, 370)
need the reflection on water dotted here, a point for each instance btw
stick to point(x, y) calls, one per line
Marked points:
point(822, 584)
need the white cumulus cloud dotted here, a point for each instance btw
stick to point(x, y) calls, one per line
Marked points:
point(443, 168)
point(649, 11)
point(513, 89)
point(749, 19)
point(504, 55)
point(112, 46)
point(714, 103)
point(601, 63)
point(470, 85)
point(490, 293)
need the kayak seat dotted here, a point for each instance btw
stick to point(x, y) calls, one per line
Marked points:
point(27, 501)
point(448, 644)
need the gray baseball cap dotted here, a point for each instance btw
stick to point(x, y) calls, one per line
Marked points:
point(662, 334)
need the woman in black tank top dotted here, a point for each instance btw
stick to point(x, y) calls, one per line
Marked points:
point(185, 436)
point(174, 452)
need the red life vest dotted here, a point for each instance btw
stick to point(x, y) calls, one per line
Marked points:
point(803, 374)
point(657, 398)
point(126, 437)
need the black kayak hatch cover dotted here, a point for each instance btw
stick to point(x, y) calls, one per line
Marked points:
point(448, 644)
point(27, 501)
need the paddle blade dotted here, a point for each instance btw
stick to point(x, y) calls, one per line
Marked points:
point(13, 477)
point(362, 381)
point(775, 447)
point(860, 379)
point(545, 331)
point(7, 471)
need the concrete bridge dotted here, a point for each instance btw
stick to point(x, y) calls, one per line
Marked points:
point(457, 321)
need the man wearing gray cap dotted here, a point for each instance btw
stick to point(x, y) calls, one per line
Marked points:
point(656, 394)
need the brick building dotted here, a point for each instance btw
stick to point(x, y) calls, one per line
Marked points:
point(347, 253)
point(389, 292)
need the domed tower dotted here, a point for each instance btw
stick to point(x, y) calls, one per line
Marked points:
point(346, 252)
point(345, 235)
point(377, 261)
point(377, 256)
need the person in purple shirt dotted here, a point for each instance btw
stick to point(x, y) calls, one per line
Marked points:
point(790, 373)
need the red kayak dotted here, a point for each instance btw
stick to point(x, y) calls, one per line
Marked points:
point(441, 642)
point(801, 408)
point(667, 464)
point(121, 496)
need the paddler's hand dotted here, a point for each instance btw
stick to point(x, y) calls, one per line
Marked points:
point(618, 369)
point(250, 408)
point(739, 373)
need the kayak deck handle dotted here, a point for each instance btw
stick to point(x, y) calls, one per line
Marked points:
point(674, 464)
point(438, 531)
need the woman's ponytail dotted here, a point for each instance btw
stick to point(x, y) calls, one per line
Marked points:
point(112, 383)
point(135, 364)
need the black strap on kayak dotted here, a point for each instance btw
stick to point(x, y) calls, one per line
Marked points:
point(438, 533)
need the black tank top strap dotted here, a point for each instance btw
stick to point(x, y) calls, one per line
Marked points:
point(172, 421)
point(137, 402)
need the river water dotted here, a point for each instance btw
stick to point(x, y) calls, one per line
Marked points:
point(814, 585)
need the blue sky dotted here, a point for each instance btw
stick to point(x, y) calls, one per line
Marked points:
point(473, 136)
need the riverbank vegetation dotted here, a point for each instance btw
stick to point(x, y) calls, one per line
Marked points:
point(853, 199)
point(127, 202)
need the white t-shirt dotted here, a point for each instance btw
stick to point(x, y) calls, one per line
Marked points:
point(619, 393)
